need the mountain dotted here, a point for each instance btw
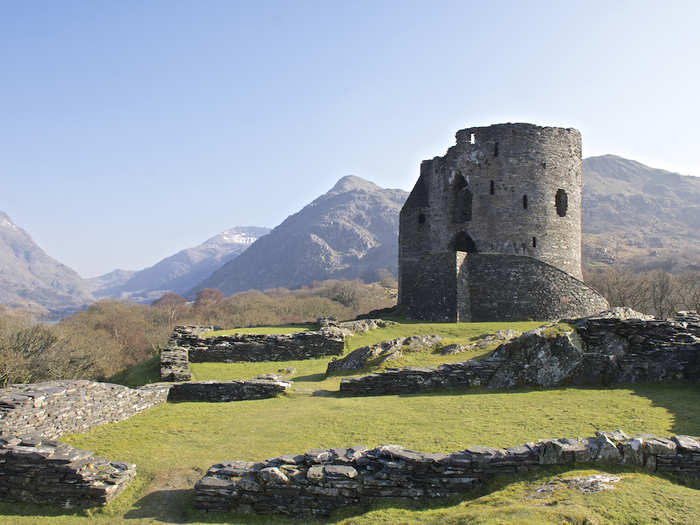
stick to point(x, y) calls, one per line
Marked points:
point(180, 272)
point(640, 217)
point(347, 233)
point(30, 279)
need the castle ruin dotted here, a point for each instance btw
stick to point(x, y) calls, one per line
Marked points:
point(492, 230)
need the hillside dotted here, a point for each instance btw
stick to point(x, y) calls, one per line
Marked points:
point(642, 217)
point(179, 272)
point(30, 279)
point(349, 232)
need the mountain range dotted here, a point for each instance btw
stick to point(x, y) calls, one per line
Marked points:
point(633, 215)
point(180, 272)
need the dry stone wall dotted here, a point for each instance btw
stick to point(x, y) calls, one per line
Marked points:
point(224, 391)
point(601, 351)
point(55, 408)
point(37, 470)
point(320, 481)
point(255, 347)
point(186, 345)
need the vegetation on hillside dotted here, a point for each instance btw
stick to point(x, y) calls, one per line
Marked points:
point(657, 292)
point(110, 336)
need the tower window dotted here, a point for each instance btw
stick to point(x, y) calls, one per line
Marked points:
point(495, 150)
point(472, 139)
point(493, 188)
point(534, 242)
point(421, 218)
point(524, 202)
point(561, 201)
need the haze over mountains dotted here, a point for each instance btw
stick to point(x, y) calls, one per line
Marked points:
point(633, 215)
point(30, 279)
point(180, 272)
point(349, 232)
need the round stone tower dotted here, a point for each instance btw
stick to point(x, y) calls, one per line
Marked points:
point(503, 198)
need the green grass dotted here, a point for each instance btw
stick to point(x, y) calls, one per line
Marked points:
point(142, 373)
point(310, 374)
point(264, 330)
point(173, 444)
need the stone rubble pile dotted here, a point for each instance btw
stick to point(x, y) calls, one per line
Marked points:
point(225, 391)
point(320, 481)
point(382, 352)
point(602, 350)
point(54, 408)
point(37, 470)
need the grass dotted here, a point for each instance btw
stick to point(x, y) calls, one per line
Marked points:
point(173, 444)
point(264, 330)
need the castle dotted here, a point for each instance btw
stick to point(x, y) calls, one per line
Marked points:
point(492, 230)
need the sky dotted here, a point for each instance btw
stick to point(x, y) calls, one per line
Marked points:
point(130, 130)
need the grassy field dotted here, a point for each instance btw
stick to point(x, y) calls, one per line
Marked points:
point(173, 444)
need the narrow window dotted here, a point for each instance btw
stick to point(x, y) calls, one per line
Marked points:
point(495, 150)
point(421, 219)
point(534, 242)
point(472, 139)
point(493, 188)
point(524, 202)
point(561, 201)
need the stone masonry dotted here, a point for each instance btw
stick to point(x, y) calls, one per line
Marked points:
point(225, 391)
point(55, 408)
point(600, 351)
point(320, 481)
point(39, 470)
point(492, 230)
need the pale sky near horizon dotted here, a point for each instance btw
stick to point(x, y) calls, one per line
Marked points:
point(133, 129)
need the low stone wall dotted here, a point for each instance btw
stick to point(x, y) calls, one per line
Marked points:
point(224, 391)
point(320, 481)
point(601, 351)
point(174, 359)
point(36, 470)
point(55, 408)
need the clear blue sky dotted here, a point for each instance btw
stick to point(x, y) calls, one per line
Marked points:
point(132, 129)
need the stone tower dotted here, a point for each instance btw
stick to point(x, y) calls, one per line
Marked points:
point(492, 230)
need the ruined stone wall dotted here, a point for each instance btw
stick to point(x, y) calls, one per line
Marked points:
point(430, 286)
point(254, 347)
point(320, 481)
point(55, 408)
point(37, 470)
point(601, 352)
point(225, 391)
point(512, 288)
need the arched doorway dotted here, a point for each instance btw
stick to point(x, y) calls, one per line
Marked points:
point(464, 243)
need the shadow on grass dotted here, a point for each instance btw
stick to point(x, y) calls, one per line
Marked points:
point(311, 378)
point(683, 403)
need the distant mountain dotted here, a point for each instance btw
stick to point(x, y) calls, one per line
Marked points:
point(30, 279)
point(347, 233)
point(640, 217)
point(180, 272)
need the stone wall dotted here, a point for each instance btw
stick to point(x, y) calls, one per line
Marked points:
point(55, 408)
point(186, 345)
point(37, 470)
point(224, 391)
point(512, 288)
point(320, 481)
point(601, 351)
point(255, 347)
